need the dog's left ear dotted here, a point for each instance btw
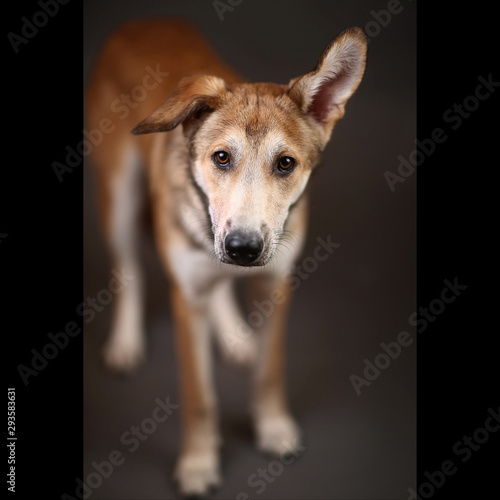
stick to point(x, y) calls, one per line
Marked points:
point(193, 94)
point(323, 92)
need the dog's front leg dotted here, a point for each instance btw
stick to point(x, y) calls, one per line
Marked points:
point(198, 465)
point(277, 432)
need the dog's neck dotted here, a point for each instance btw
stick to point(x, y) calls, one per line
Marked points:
point(188, 202)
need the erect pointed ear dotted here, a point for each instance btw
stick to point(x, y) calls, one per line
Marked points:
point(323, 92)
point(193, 94)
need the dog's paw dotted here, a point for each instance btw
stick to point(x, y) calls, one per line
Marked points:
point(124, 354)
point(197, 473)
point(278, 435)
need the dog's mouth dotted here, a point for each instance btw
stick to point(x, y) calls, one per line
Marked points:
point(257, 263)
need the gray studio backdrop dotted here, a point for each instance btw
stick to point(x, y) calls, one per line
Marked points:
point(356, 405)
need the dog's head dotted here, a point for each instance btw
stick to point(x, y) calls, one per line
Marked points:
point(253, 146)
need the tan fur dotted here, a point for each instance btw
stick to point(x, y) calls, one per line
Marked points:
point(195, 106)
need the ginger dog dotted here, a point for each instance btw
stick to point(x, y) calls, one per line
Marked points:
point(226, 164)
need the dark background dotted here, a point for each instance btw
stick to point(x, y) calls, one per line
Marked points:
point(356, 446)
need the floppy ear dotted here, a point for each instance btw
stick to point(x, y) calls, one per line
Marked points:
point(323, 92)
point(193, 94)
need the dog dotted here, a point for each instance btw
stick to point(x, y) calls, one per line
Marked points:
point(223, 164)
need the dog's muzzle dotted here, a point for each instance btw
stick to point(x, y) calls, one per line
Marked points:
point(243, 248)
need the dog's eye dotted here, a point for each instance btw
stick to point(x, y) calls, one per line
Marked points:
point(286, 163)
point(222, 158)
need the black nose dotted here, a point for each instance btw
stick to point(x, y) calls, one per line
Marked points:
point(243, 248)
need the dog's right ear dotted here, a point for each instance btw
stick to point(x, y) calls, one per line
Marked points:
point(192, 95)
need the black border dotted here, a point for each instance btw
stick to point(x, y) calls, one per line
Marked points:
point(42, 254)
point(456, 354)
